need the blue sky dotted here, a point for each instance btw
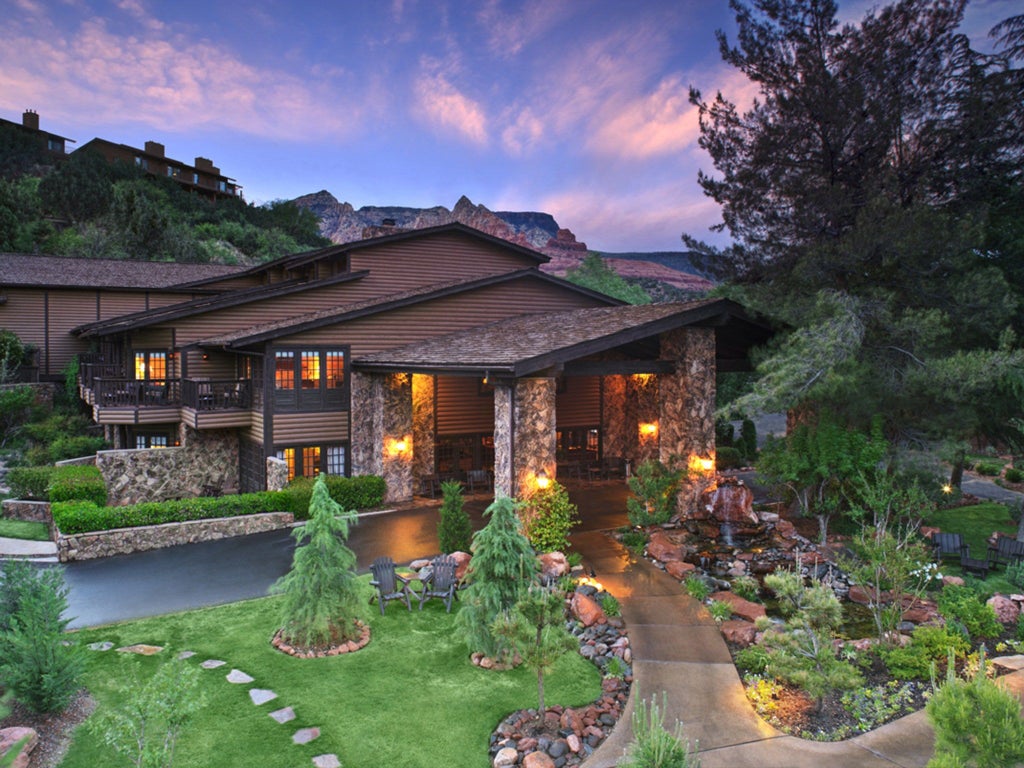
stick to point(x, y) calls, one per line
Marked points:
point(574, 107)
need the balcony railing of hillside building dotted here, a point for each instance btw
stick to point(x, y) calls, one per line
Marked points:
point(216, 394)
point(134, 393)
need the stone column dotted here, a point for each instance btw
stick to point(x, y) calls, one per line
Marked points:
point(423, 436)
point(524, 435)
point(687, 405)
point(614, 432)
point(382, 430)
point(644, 416)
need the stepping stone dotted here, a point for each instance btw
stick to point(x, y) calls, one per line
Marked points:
point(306, 735)
point(186, 655)
point(239, 677)
point(141, 649)
point(283, 715)
point(327, 761)
point(261, 696)
point(212, 664)
point(106, 646)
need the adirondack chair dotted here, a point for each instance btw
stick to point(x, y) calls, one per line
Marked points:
point(442, 583)
point(1006, 551)
point(478, 477)
point(390, 586)
point(973, 565)
point(946, 545)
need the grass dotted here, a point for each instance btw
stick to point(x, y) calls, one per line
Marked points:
point(24, 529)
point(410, 698)
point(975, 524)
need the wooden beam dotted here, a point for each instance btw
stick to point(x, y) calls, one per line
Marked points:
point(617, 367)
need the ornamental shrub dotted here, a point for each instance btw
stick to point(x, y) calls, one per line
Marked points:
point(728, 458)
point(963, 605)
point(977, 723)
point(653, 745)
point(654, 494)
point(547, 517)
point(748, 439)
point(78, 483)
point(453, 528)
point(988, 468)
point(1014, 475)
point(362, 492)
point(30, 482)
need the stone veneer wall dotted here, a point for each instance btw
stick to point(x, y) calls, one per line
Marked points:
point(32, 511)
point(206, 460)
point(687, 399)
point(423, 412)
point(613, 416)
point(88, 546)
point(645, 410)
point(277, 474)
point(382, 414)
point(525, 441)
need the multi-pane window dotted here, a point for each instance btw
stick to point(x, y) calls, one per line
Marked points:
point(311, 460)
point(284, 370)
point(150, 366)
point(310, 379)
point(150, 441)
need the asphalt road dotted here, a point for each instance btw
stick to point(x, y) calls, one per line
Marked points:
point(214, 572)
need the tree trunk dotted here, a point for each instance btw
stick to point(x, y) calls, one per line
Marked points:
point(956, 476)
point(1020, 525)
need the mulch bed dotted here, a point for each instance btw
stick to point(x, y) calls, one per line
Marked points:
point(54, 730)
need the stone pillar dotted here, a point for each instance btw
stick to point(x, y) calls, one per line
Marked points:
point(277, 474)
point(423, 436)
point(687, 405)
point(524, 435)
point(210, 460)
point(382, 430)
point(614, 432)
point(644, 416)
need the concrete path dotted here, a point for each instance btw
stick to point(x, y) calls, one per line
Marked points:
point(38, 551)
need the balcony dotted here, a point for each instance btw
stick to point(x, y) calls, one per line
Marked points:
point(132, 393)
point(216, 394)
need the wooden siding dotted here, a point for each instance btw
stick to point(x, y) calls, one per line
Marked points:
point(461, 409)
point(580, 404)
point(445, 256)
point(170, 415)
point(216, 419)
point(113, 303)
point(440, 316)
point(65, 310)
point(23, 313)
point(310, 428)
point(255, 432)
point(217, 366)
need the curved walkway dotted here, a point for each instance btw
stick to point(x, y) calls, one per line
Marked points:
point(678, 649)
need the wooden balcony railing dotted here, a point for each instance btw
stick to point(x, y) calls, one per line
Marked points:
point(216, 394)
point(130, 393)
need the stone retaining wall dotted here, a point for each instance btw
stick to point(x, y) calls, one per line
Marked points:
point(122, 541)
point(32, 511)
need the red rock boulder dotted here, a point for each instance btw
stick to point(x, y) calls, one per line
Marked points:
point(664, 548)
point(586, 609)
point(738, 632)
point(741, 607)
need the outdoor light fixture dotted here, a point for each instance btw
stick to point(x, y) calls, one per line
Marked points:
point(543, 481)
point(947, 488)
point(701, 464)
point(649, 428)
point(401, 445)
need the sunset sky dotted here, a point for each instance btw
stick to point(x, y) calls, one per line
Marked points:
point(574, 107)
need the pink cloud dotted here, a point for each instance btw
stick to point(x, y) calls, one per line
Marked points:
point(524, 132)
point(657, 123)
point(441, 105)
point(509, 33)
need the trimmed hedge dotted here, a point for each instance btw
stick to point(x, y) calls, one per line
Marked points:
point(85, 516)
point(49, 483)
point(363, 492)
point(728, 458)
point(74, 517)
point(30, 482)
point(78, 483)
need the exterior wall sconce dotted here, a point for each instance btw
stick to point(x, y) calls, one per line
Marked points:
point(543, 481)
point(397, 447)
point(206, 355)
point(702, 464)
point(401, 446)
point(648, 429)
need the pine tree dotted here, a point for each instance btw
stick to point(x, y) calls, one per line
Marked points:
point(321, 597)
point(502, 568)
point(453, 529)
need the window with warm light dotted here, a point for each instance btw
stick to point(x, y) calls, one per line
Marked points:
point(310, 379)
point(334, 369)
point(150, 366)
point(284, 370)
point(311, 460)
point(310, 369)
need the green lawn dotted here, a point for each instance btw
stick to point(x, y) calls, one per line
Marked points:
point(410, 698)
point(24, 529)
point(975, 524)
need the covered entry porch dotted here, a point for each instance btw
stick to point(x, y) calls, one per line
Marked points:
point(652, 368)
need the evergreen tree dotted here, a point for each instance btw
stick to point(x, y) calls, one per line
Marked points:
point(453, 529)
point(322, 600)
point(595, 274)
point(502, 568)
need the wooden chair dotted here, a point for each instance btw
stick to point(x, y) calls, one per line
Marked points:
point(946, 545)
point(972, 565)
point(479, 477)
point(390, 586)
point(442, 583)
point(1007, 550)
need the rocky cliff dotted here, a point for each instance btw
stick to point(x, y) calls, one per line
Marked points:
point(342, 223)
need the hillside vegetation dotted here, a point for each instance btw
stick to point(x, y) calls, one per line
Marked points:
point(84, 207)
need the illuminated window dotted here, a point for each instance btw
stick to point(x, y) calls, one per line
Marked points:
point(288, 455)
point(150, 366)
point(310, 369)
point(311, 461)
point(334, 365)
point(284, 370)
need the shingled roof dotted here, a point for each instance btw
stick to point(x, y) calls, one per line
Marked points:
point(31, 270)
point(527, 344)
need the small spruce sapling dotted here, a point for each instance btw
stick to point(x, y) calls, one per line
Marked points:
point(453, 529)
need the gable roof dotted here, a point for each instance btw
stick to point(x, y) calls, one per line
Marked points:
point(523, 345)
point(204, 304)
point(297, 260)
point(30, 270)
point(259, 333)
